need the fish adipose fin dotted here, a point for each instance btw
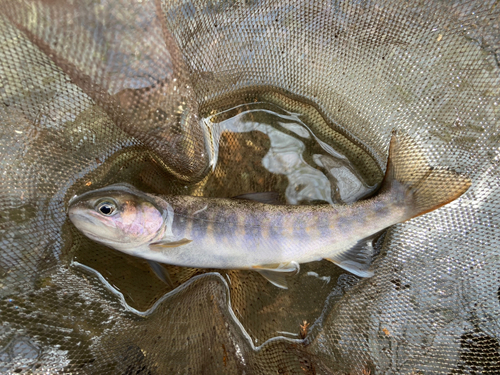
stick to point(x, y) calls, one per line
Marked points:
point(160, 245)
point(276, 274)
point(409, 173)
point(268, 197)
point(357, 258)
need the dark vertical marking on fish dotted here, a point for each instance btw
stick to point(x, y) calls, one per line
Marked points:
point(251, 228)
point(299, 228)
point(381, 208)
point(323, 224)
point(217, 214)
point(344, 223)
point(227, 224)
point(276, 227)
point(179, 225)
point(201, 221)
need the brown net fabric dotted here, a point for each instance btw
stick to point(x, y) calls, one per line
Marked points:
point(99, 92)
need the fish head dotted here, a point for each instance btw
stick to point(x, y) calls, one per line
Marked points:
point(118, 216)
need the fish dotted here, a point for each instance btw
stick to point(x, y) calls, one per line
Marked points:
point(250, 232)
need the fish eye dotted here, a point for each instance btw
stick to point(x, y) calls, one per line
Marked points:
point(106, 208)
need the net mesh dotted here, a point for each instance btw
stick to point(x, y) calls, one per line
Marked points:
point(100, 92)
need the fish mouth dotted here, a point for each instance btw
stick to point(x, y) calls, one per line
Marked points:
point(91, 226)
point(83, 218)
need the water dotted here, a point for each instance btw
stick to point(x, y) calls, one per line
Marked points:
point(258, 142)
point(315, 171)
point(263, 142)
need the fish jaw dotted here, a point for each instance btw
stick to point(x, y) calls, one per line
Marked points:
point(134, 225)
point(91, 225)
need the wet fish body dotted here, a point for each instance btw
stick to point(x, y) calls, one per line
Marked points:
point(272, 239)
point(235, 234)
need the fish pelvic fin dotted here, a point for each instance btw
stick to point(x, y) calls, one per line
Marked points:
point(356, 258)
point(276, 274)
point(161, 273)
point(408, 173)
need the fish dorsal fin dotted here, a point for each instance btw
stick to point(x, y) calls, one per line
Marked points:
point(267, 197)
point(356, 258)
point(161, 272)
point(165, 244)
point(276, 274)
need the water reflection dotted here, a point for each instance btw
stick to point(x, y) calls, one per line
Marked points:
point(315, 171)
point(255, 147)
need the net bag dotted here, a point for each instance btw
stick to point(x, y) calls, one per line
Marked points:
point(100, 92)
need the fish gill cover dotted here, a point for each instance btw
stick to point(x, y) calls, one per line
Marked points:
point(97, 93)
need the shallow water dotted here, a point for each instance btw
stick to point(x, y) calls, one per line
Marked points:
point(256, 146)
point(316, 172)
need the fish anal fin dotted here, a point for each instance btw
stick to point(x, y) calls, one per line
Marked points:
point(355, 258)
point(160, 245)
point(276, 274)
point(268, 197)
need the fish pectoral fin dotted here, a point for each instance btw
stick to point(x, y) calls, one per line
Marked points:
point(161, 272)
point(268, 197)
point(356, 258)
point(276, 274)
point(165, 244)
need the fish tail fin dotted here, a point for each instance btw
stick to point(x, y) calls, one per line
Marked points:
point(409, 174)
